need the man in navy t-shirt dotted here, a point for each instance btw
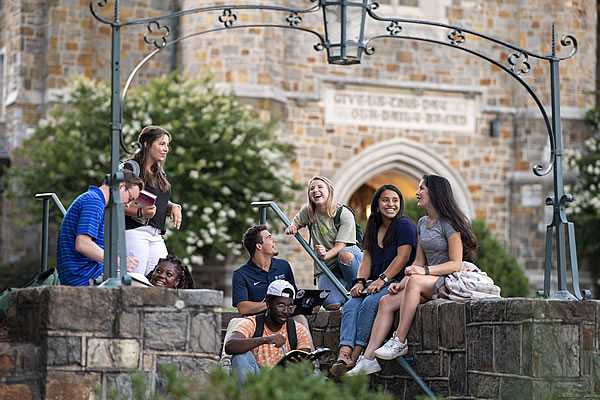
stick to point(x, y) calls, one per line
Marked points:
point(251, 280)
point(80, 248)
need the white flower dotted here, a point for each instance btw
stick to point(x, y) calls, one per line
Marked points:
point(220, 257)
point(225, 190)
point(194, 174)
point(197, 260)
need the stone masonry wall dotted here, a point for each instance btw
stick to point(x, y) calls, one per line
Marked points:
point(512, 349)
point(67, 340)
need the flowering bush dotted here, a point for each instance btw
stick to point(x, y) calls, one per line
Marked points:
point(585, 208)
point(222, 157)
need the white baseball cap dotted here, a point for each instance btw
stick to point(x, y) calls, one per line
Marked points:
point(278, 288)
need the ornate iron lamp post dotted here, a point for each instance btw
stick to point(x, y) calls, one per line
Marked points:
point(344, 27)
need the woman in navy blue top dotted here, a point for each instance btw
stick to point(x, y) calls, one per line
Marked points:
point(390, 245)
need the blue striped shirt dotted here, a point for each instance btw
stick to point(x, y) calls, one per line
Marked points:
point(84, 217)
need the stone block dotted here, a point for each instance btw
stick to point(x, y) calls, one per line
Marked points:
point(197, 369)
point(483, 386)
point(520, 309)
point(204, 333)
point(556, 350)
point(122, 383)
point(570, 311)
point(63, 350)
point(107, 354)
point(129, 325)
point(486, 310)
point(23, 315)
point(457, 379)
point(427, 365)
point(94, 310)
point(205, 298)
point(429, 325)
point(61, 385)
point(527, 349)
point(165, 331)
point(147, 297)
point(331, 339)
point(507, 349)
point(15, 392)
point(321, 320)
point(335, 319)
point(512, 388)
point(415, 331)
point(20, 360)
point(480, 349)
point(452, 325)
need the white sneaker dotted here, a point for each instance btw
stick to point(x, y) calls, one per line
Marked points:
point(365, 366)
point(392, 348)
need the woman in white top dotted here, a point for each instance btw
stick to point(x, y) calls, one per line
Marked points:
point(445, 239)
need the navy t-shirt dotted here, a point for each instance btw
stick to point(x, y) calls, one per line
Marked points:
point(250, 282)
point(406, 233)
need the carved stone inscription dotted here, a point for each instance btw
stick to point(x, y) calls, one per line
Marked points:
point(401, 109)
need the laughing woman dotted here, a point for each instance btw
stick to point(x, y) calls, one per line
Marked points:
point(171, 273)
point(390, 245)
point(336, 247)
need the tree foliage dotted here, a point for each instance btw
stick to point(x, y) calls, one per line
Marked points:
point(585, 208)
point(222, 156)
point(491, 256)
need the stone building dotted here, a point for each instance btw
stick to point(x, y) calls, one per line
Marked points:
point(410, 108)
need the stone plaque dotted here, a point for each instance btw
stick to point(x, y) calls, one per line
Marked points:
point(399, 108)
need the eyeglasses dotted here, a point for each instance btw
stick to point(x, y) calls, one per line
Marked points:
point(282, 307)
point(131, 197)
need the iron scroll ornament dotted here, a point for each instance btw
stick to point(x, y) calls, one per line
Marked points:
point(457, 38)
point(228, 19)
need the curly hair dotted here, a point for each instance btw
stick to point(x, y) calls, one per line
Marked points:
point(186, 281)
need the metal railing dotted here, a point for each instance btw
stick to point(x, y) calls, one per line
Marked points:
point(262, 216)
point(262, 212)
point(46, 197)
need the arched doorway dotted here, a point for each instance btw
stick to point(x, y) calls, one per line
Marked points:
point(400, 162)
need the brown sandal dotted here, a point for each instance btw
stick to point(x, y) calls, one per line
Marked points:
point(340, 367)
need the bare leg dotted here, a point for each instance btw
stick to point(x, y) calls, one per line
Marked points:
point(417, 288)
point(383, 321)
point(356, 352)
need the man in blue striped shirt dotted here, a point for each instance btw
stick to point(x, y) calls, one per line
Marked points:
point(80, 250)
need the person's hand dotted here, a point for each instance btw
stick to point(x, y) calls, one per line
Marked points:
point(148, 211)
point(320, 250)
point(291, 230)
point(375, 286)
point(394, 288)
point(277, 340)
point(132, 263)
point(357, 289)
point(176, 216)
point(414, 270)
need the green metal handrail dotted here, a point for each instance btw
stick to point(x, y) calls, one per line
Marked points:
point(46, 197)
point(262, 212)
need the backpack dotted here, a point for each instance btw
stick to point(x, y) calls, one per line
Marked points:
point(290, 326)
point(470, 283)
point(46, 278)
point(336, 222)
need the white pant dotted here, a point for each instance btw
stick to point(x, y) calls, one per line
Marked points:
point(147, 245)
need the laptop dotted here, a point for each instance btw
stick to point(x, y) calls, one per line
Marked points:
point(307, 300)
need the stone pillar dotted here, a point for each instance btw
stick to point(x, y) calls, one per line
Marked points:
point(88, 336)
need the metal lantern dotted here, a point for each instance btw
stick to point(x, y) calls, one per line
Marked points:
point(344, 30)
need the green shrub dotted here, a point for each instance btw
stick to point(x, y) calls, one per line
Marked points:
point(491, 256)
point(295, 382)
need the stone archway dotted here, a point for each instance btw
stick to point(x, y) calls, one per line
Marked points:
point(405, 156)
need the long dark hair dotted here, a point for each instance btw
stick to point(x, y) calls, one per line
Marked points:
point(147, 137)
point(375, 220)
point(186, 281)
point(442, 198)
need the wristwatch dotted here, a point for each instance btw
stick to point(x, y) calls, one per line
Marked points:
point(383, 278)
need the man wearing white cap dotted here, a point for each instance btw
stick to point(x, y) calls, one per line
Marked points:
point(252, 348)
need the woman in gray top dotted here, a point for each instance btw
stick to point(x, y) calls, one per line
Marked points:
point(445, 240)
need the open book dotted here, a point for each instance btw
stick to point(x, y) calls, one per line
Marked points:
point(301, 355)
point(144, 199)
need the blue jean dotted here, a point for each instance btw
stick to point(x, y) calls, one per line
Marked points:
point(242, 364)
point(363, 309)
point(344, 273)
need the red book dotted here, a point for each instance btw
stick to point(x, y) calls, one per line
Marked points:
point(144, 199)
